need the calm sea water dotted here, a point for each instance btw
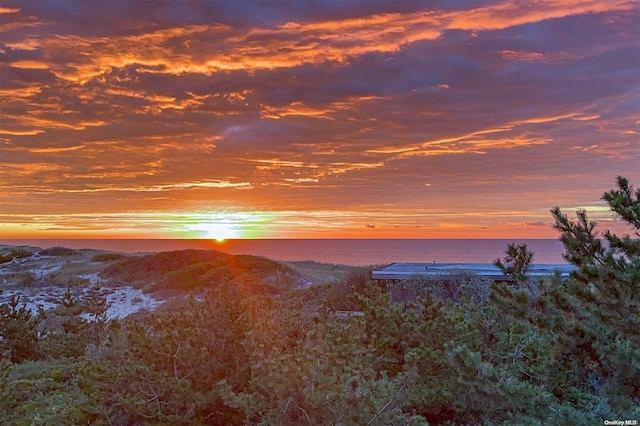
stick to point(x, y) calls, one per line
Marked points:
point(348, 252)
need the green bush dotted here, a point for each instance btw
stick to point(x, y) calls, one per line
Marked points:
point(107, 257)
point(25, 279)
point(17, 253)
point(66, 280)
point(57, 251)
point(454, 287)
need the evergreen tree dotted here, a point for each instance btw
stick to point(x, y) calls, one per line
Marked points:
point(517, 260)
point(604, 300)
point(18, 334)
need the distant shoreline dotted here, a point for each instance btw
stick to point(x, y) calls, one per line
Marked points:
point(355, 252)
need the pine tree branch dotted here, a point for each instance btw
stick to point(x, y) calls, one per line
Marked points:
point(386, 405)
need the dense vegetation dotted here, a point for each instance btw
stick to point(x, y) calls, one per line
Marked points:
point(460, 352)
point(188, 270)
point(14, 253)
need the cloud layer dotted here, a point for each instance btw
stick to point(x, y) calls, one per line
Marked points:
point(355, 119)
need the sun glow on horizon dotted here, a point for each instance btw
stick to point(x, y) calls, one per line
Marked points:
point(222, 226)
point(216, 231)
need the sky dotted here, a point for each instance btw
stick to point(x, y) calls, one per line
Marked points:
point(314, 119)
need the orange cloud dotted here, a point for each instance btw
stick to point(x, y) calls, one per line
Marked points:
point(512, 55)
point(44, 150)
point(288, 45)
point(4, 10)
point(295, 108)
point(33, 120)
point(21, 132)
point(22, 92)
point(31, 65)
point(511, 13)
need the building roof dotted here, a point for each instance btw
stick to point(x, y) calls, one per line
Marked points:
point(398, 271)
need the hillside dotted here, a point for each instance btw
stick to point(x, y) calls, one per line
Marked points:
point(131, 282)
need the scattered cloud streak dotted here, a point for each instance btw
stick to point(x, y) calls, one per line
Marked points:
point(354, 119)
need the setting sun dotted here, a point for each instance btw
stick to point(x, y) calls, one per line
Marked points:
point(215, 231)
point(219, 231)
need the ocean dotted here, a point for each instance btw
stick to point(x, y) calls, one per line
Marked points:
point(341, 251)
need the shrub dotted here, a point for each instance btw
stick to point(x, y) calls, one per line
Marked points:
point(25, 279)
point(57, 251)
point(67, 280)
point(452, 287)
point(15, 253)
point(107, 257)
point(20, 253)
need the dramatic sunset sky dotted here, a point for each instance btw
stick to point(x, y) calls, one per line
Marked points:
point(314, 119)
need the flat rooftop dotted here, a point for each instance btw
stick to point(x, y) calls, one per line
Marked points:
point(399, 271)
